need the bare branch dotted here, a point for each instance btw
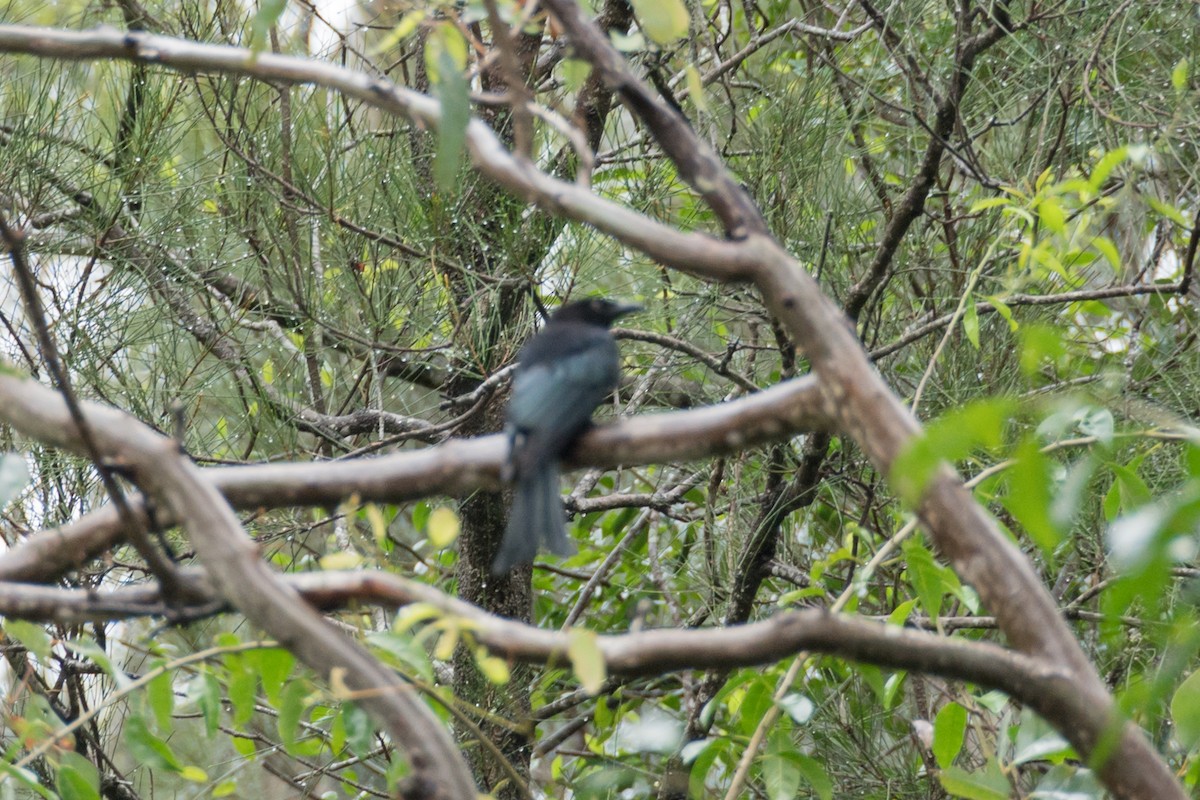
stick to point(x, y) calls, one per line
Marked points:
point(454, 467)
point(1041, 686)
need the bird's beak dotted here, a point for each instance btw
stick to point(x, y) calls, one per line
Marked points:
point(626, 308)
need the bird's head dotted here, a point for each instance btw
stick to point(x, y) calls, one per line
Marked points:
point(594, 311)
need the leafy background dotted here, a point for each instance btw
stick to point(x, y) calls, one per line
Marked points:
point(290, 256)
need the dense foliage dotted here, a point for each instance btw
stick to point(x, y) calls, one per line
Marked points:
point(283, 273)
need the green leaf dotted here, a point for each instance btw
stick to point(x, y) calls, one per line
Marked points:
point(575, 73)
point(77, 778)
point(901, 612)
point(1039, 344)
point(269, 12)
point(205, 691)
point(420, 515)
point(160, 693)
point(226, 789)
point(1052, 215)
point(1104, 167)
point(360, 731)
point(702, 764)
point(781, 775)
point(1029, 497)
point(1037, 741)
point(147, 749)
point(587, 661)
point(950, 438)
point(991, 202)
point(445, 60)
point(949, 732)
point(1003, 310)
point(32, 637)
point(986, 784)
point(1167, 210)
point(494, 668)
point(926, 576)
point(1179, 75)
point(1107, 249)
point(379, 524)
point(193, 774)
point(814, 772)
point(274, 666)
point(291, 708)
point(242, 684)
point(873, 677)
point(1042, 178)
point(1133, 490)
point(1185, 711)
point(663, 21)
point(891, 689)
point(1191, 456)
point(404, 651)
point(754, 702)
point(970, 322)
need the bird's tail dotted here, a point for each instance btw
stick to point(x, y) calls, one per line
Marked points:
point(535, 519)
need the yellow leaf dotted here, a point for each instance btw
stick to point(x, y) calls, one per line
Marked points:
point(443, 526)
point(1052, 215)
point(410, 615)
point(664, 21)
point(583, 648)
point(404, 28)
point(575, 71)
point(378, 523)
point(337, 684)
point(341, 560)
point(268, 371)
point(493, 668)
point(696, 88)
point(446, 644)
point(193, 774)
point(1179, 75)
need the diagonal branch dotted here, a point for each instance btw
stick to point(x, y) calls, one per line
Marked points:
point(237, 573)
point(865, 406)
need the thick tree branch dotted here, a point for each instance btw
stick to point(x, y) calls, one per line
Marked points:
point(866, 408)
point(874, 416)
point(1043, 687)
point(231, 561)
point(454, 467)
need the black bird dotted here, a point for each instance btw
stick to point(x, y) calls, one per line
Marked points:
point(563, 373)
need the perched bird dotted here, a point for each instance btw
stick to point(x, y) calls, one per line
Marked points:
point(562, 374)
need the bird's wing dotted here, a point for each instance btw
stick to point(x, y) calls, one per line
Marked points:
point(552, 400)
